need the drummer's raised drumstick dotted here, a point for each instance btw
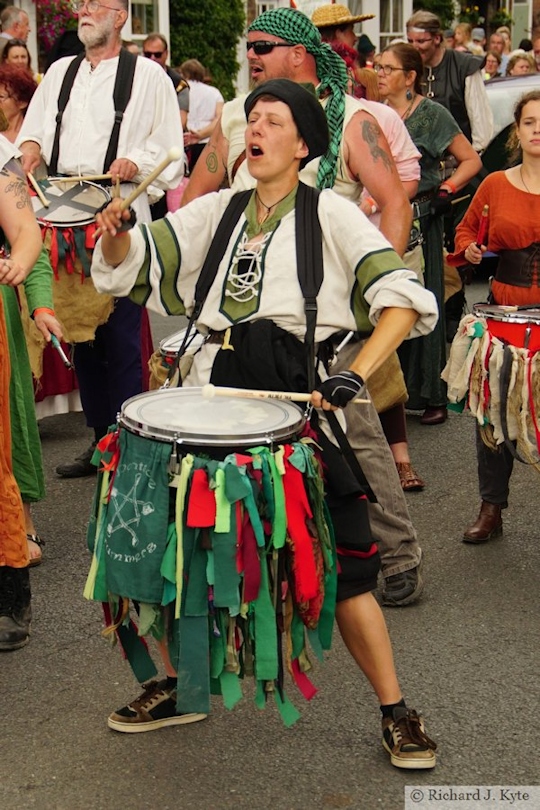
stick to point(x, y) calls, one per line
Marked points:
point(209, 391)
point(37, 188)
point(173, 154)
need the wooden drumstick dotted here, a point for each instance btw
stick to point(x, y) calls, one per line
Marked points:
point(209, 391)
point(37, 188)
point(82, 178)
point(173, 154)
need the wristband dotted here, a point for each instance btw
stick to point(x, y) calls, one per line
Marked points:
point(42, 311)
point(450, 185)
point(370, 201)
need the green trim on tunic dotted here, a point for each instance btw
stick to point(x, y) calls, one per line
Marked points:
point(369, 270)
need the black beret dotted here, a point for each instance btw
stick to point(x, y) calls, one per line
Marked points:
point(306, 110)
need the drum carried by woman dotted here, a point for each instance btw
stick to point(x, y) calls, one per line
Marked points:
point(214, 509)
point(502, 348)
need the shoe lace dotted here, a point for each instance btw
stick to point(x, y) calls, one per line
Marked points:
point(408, 731)
point(152, 690)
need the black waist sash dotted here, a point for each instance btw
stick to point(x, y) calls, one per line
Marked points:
point(519, 267)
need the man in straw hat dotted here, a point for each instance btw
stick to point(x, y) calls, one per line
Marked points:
point(335, 22)
point(286, 128)
point(358, 156)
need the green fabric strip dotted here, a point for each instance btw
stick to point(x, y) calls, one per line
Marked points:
point(182, 484)
point(195, 586)
point(226, 578)
point(230, 689)
point(193, 690)
point(223, 507)
point(137, 653)
point(266, 641)
point(289, 713)
point(168, 566)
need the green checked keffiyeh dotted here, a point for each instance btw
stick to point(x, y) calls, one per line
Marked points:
point(295, 27)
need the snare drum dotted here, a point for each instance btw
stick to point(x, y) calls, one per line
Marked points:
point(517, 327)
point(161, 361)
point(68, 228)
point(212, 506)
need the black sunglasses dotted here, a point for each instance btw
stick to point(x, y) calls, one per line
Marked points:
point(263, 46)
point(155, 54)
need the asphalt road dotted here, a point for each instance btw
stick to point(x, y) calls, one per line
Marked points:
point(467, 656)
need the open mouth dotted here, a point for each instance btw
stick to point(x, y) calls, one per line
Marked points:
point(255, 151)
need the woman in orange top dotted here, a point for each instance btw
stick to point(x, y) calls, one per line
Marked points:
point(513, 197)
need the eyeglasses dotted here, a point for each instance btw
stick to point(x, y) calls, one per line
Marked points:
point(263, 46)
point(153, 54)
point(91, 5)
point(387, 69)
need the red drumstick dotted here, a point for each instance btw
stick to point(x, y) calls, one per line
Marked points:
point(481, 237)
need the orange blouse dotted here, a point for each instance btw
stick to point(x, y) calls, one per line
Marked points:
point(513, 224)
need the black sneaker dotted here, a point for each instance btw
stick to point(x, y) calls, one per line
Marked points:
point(79, 468)
point(403, 589)
point(405, 739)
point(155, 708)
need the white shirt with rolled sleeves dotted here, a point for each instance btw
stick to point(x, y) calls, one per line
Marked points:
point(150, 127)
point(350, 243)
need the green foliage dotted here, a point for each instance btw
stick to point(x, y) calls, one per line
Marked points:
point(501, 17)
point(208, 30)
point(444, 9)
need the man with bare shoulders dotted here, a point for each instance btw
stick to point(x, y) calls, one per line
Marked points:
point(284, 43)
point(288, 45)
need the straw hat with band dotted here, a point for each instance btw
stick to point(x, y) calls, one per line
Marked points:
point(336, 15)
point(296, 28)
point(305, 108)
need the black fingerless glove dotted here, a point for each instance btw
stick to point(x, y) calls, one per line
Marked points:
point(127, 224)
point(441, 203)
point(339, 389)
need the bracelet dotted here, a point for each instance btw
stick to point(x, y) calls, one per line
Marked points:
point(43, 311)
point(370, 201)
point(450, 185)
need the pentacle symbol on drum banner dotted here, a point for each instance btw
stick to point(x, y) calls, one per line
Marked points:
point(127, 511)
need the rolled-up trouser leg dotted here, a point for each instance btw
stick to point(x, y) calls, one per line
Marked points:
point(389, 518)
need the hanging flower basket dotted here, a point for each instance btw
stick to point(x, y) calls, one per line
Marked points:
point(53, 18)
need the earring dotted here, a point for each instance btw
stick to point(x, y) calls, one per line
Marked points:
point(408, 94)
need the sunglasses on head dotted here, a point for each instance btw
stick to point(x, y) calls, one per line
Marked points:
point(263, 46)
point(154, 54)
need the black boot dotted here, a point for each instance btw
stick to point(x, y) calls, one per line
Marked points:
point(15, 610)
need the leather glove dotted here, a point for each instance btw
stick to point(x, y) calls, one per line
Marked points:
point(127, 224)
point(441, 203)
point(340, 388)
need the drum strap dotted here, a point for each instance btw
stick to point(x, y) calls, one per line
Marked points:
point(121, 94)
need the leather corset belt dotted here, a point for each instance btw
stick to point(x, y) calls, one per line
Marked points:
point(521, 268)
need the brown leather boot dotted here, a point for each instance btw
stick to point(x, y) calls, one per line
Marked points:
point(487, 526)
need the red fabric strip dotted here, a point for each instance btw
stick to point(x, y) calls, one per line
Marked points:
point(302, 681)
point(201, 510)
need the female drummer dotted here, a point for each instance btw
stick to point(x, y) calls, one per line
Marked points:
point(257, 280)
point(513, 197)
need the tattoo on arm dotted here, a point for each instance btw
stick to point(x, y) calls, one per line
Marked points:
point(370, 133)
point(212, 162)
point(18, 187)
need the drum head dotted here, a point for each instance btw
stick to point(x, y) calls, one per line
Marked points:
point(508, 314)
point(72, 203)
point(183, 415)
point(169, 346)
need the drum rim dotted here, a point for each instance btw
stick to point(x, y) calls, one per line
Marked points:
point(192, 439)
point(197, 341)
point(513, 316)
point(51, 222)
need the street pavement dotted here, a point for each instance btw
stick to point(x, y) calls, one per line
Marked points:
point(467, 657)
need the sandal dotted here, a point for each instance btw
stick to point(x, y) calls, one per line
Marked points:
point(410, 480)
point(35, 538)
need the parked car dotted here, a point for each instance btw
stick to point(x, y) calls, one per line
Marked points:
point(503, 94)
